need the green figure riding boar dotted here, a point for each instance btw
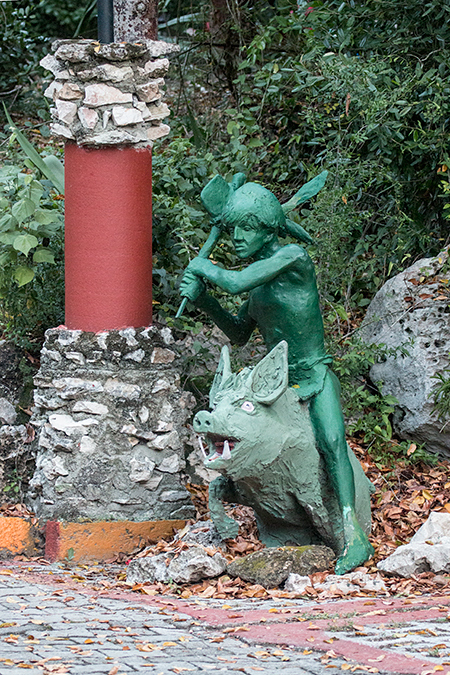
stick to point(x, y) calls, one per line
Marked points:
point(283, 303)
point(260, 438)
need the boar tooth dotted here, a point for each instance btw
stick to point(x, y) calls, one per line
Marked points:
point(215, 456)
point(226, 454)
point(202, 448)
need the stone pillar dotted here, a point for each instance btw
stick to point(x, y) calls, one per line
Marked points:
point(109, 111)
point(109, 411)
point(110, 420)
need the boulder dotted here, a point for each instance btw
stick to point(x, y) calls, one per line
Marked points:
point(344, 584)
point(195, 564)
point(272, 566)
point(428, 550)
point(191, 565)
point(411, 312)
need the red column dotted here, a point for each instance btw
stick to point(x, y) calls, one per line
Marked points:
point(108, 252)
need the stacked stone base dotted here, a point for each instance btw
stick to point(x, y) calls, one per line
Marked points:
point(110, 426)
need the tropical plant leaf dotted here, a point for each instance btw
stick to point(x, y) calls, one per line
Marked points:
point(25, 242)
point(43, 255)
point(52, 168)
point(23, 275)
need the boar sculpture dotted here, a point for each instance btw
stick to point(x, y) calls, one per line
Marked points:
point(260, 438)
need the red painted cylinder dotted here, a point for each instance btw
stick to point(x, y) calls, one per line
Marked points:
point(108, 252)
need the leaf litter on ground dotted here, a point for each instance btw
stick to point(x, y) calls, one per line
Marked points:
point(404, 497)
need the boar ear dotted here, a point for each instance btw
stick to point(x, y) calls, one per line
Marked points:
point(269, 379)
point(222, 376)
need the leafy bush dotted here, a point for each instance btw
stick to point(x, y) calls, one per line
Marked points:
point(31, 255)
point(368, 411)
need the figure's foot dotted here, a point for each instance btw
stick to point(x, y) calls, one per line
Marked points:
point(357, 548)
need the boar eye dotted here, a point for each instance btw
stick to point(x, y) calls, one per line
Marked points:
point(248, 406)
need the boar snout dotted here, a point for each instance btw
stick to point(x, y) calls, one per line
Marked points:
point(203, 422)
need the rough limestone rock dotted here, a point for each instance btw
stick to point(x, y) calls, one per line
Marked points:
point(150, 569)
point(189, 566)
point(203, 533)
point(98, 90)
point(345, 584)
point(428, 550)
point(412, 310)
point(272, 566)
point(8, 413)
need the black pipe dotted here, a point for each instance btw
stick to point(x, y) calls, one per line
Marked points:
point(105, 21)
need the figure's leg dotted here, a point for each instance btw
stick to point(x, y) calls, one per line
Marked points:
point(222, 489)
point(329, 429)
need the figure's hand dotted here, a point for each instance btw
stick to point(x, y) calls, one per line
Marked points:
point(191, 286)
point(199, 266)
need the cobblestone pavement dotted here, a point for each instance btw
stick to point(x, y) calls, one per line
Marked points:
point(50, 626)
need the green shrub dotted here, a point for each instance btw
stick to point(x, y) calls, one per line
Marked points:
point(31, 255)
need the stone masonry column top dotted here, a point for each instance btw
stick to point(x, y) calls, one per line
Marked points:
point(108, 94)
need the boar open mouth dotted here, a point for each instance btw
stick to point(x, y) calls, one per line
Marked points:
point(219, 446)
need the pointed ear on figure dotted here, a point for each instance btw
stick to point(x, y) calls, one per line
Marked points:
point(269, 379)
point(222, 376)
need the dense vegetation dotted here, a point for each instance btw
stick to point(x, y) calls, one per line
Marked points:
point(281, 92)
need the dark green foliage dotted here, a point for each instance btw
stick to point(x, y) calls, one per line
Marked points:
point(31, 256)
point(329, 92)
point(27, 28)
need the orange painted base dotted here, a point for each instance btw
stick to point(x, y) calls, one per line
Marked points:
point(16, 538)
point(81, 542)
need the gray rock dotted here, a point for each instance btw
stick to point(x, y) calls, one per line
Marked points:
point(435, 530)
point(61, 130)
point(66, 111)
point(272, 566)
point(428, 550)
point(170, 464)
point(155, 132)
point(104, 94)
point(117, 137)
point(8, 413)
point(51, 63)
point(69, 92)
point(411, 311)
point(90, 407)
point(125, 116)
point(416, 558)
point(107, 71)
point(203, 533)
point(150, 569)
point(74, 51)
point(149, 91)
point(156, 68)
point(88, 117)
point(189, 566)
point(195, 564)
point(52, 90)
point(122, 390)
point(158, 112)
point(297, 583)
point(344, 584)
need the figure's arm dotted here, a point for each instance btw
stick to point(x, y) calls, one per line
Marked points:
point(252, 276)
point(237, 328)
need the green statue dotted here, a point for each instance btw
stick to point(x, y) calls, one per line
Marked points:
point(259, 436)
point(283, 303)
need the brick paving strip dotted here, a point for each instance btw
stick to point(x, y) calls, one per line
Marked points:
point(52, 625)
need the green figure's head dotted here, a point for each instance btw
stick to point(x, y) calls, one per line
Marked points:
point(253, 215)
